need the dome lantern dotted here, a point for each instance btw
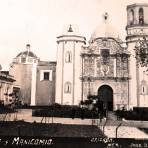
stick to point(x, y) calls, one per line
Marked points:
point(28, 47)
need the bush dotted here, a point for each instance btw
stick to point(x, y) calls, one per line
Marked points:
point(136, 114)
point(65, 111)
point(6, 109)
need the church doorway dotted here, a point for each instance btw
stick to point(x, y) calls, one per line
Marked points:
point(105, 94)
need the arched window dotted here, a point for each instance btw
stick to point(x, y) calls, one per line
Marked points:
point(68, 57)
point(105, 56)
point(141, 16)
point(131, 17)
point(144, 89)
point(67, 87)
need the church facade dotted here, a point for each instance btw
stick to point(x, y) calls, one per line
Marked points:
point(107, 67)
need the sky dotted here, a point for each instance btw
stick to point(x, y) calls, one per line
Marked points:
point(39, 22)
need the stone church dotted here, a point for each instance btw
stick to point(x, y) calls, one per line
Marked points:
point(107, 67)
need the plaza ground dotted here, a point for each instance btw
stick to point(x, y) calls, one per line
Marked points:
point(128, 129)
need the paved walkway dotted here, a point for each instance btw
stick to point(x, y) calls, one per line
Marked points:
point(124, 132)
point(128, 129)
point(123, 128)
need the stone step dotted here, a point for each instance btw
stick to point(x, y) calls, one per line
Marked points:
point(111, 116)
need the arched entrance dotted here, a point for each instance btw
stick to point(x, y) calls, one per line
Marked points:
point(105, 94)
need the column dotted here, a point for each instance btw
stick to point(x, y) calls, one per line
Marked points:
point(33, 84)
point(115, 74)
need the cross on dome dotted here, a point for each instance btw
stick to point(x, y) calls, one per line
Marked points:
point(105, 16)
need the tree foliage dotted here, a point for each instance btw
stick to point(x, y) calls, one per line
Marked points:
point(141, 49)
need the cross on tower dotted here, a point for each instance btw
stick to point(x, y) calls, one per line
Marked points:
point(105, 16)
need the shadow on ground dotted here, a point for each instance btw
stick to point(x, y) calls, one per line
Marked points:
point(21, 128)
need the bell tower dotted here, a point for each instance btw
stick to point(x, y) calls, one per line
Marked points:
point(68, 83)
point(137, 22)
point(137, 28)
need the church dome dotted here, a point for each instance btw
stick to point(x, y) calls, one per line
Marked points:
point(26, 57)
point(104, 30)
point(27, 53)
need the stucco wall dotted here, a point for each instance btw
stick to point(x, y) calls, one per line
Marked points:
point(45, 89)
point(22, 74)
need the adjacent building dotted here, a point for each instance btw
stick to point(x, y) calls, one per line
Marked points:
point(34, 78)
point(6, 87)
point(43, 83)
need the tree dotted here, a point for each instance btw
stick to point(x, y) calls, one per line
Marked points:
point(95, 103)
point(141, 49)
